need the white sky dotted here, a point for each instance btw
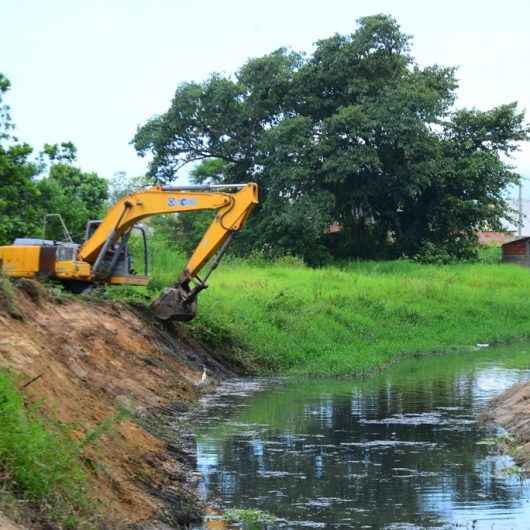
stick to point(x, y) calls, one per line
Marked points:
point(92, 71)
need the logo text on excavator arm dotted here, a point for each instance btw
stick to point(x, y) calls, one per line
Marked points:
point(173, 201)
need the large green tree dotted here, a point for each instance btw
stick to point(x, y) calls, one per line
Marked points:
point(17, 172)
point(76, 195)
point(50, 184)
point(355, 134)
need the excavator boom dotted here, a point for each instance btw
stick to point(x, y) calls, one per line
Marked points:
point(102, 258)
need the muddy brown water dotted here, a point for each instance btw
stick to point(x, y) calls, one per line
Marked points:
point(403, 450)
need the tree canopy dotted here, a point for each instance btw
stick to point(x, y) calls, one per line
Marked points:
point(355, 134)
point(51, 183)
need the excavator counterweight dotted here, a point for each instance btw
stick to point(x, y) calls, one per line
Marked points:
point(104, 258)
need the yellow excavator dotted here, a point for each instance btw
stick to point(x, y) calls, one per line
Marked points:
point(103, 257)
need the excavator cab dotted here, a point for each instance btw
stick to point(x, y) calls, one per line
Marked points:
point(118, 264)
point(117, 267)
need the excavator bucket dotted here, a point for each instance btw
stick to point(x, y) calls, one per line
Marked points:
point(175, 303)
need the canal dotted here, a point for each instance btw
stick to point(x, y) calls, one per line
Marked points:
point(402, 450)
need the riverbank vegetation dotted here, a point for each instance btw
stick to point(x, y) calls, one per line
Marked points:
point(350, 318)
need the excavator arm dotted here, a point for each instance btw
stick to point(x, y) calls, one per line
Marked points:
point(233, 209)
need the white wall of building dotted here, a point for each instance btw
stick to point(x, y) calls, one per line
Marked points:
point(525, 208)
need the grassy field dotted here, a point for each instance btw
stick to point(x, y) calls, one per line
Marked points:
point(287, 318)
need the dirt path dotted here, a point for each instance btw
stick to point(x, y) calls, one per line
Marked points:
point(511, 410)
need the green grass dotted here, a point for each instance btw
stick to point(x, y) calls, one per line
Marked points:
point(287, 318)
point(40, 465)
point(350, 320)
point(490, 254)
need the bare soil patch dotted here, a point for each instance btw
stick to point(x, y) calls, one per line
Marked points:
point(511, 410)
point(90, 359)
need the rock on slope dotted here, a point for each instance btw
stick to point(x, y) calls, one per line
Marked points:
point(92, 358)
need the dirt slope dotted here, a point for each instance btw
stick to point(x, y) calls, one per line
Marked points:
point(511, 410)
point(6, 524)
point(92, 358)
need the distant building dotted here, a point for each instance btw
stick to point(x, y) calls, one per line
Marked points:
point(517, 251)
point(486, 237)
point(334, 228)
point(495, 238)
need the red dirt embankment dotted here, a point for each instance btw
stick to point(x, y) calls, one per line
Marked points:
point(93, 358)
point(511, 410)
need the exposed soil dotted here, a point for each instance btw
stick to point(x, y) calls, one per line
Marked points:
point(511, 410)
point(6, 524)
point(93, 358)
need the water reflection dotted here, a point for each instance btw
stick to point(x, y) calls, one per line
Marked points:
point(397, 451)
